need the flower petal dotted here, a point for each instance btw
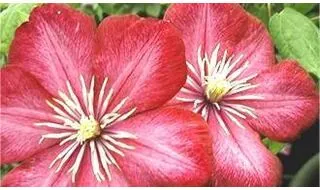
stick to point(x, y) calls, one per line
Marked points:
point(35, 171)
point(172, 149)
point(144, 62)
point(55, 46)
point(290, 101)
point(240, 158)
point(229, 25)
point(22, 104)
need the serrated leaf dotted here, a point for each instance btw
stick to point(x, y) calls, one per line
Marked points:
point(274, 146)
point(296, 37)
point(10, 19)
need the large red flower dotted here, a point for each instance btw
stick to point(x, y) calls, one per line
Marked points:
point(234, 83)
point(77, 104)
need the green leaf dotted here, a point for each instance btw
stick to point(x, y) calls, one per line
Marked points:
point(274, 146)
point(5, 169)
point(153, 9)
point(303, 8)
point(296, 37)
point(10, 19)
point(260, 11)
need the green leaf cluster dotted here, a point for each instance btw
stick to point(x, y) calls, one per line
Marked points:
point(11, 17)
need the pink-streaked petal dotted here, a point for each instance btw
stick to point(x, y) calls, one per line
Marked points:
point(55, 45)
point(172, 149)
point(144, 62)
point(35, 171)
point(290, 101)
point(240, 158)
point(229, 25)
point(22, 105)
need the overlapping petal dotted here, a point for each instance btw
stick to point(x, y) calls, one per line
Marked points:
point(229, 25)
point(22, 104)
point(290, 101)
point(144, 62)
point(56, 45)
point(240, 158)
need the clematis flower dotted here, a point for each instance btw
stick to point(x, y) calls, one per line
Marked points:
point(78, 104)
point(235, 85)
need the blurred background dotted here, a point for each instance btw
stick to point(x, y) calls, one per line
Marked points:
point(300, 159)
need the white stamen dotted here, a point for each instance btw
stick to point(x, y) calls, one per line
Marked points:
point(244, 97)
point(193, 84)
point(221, 76)
point(53, 125)
point(101, 93)
point(221, 122)
point(234, 112)
point(84, 122)
point(187, 91)
point(104, 160)
point(106, 103)
point(66, 108)
point(84, 91)
point(74, 169)
point(235, 120)
point(118, 143)
point(192, 69)
point(90, 97)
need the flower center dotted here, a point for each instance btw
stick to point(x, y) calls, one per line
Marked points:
point(215, 85)
point(89, 128)
point(85, 123)
point(216, 88)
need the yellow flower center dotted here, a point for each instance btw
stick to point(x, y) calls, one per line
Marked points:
point(216, 88)
point(89, 128)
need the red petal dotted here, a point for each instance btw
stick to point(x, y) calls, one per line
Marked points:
point(172, 149)
point(144, 62)
point(55, 45)
point(36, 172)
point(228, 24)
point(290, 103)
point(240, 159)
point(22, 104)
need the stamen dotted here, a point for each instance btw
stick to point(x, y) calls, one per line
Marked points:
point(193, 84)
point(220, 84)
point(74, 169)
point(88, 126)
point(193, 70)
point(84, 91)
point(221, 122)
point(53, 125)
point(235, 120)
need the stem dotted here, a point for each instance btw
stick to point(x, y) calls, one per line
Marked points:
point(306, 173)
point(315, 18)
point(269, 9)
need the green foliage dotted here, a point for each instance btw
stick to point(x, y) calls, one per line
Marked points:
point(5, 169)
point(260, 11)
point(274, 146)
point(303, 8)
point(101, 10)
point(296, 37)
point(11, 18)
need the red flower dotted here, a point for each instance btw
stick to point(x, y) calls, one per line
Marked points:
point(89, 94)
point(234, 83)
